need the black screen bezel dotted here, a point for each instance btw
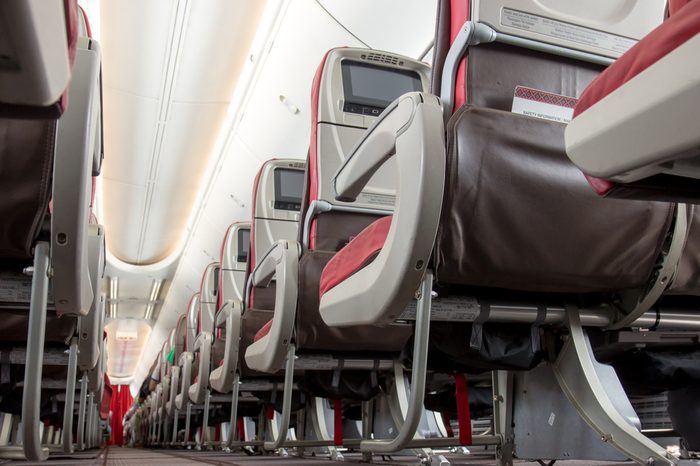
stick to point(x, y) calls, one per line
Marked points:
point(351, 98)
point(286, 202)
point(243, 245)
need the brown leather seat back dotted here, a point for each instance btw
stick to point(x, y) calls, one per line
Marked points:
point(26, 167)
point(517, 213)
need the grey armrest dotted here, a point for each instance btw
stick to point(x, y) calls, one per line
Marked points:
point(412, 131)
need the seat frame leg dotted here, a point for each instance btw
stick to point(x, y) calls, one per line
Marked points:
point(418, 372)
point(286, 402)
point(80, 441)
point(234, 411)
point(575, 371)
point(31, 396)
point(204, 438)
point(176, 418)
point(70, 397)
point(186, 440)
point(502, 386)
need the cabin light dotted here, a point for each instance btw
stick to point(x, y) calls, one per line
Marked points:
point(127, 335)
point(293, 109)
point(153, 298)
point(113, 293)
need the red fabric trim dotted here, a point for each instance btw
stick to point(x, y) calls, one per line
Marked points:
point(87, 22)
point(355, 254)
point(241, 429)
point(107, 393)
point(446, 422)
point(313, 148)
point(459, 14)
point(675, 5)
point(264, 330)
point(270, 412)
point(337, 422)
point(673, 33)
point(121, 402)
point(463, 414)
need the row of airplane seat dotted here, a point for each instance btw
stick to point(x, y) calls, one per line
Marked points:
point(440, 241)
point(54, 394)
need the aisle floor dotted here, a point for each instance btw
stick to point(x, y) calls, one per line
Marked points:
point(115, 456)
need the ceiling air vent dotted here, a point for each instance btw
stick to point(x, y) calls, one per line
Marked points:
point(381, 58)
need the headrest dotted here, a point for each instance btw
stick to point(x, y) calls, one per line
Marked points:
point(39, 43)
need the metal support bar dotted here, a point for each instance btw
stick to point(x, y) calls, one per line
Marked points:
point(186, 440)
point(286, 400)
point(204, 438)
point(418, 372)
point(320, 206)
point(234, 410)
point(176, 418)
point(578, 378)
point(31, 397)
point(81, 412)
point(502, 386)
point(70, 397)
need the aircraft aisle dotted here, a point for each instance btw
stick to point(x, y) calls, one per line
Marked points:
point(116, 456)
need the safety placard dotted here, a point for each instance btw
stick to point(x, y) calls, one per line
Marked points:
point(15, 288)
point(560, 30)
point(461, 309)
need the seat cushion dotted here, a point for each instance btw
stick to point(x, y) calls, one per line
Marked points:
point(264, 330)
point(673, 33)
point(357, 254)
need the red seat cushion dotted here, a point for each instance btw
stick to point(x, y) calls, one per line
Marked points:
point(358, 253)
point(673, 33)
point(264, 330)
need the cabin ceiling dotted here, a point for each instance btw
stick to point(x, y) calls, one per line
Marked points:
point(193, 107)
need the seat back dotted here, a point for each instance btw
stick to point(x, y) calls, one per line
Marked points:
point(516, 213)
point(277, 193)
point(37, 45)
point(233, 259)
point(192, 322)
point(208, 298)
point(351, 88)
point(178, 337)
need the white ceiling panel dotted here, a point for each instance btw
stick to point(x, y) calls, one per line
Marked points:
point(187, 146)
point(129, 130)
point(123, 201)
point(215, 79)
point(230, 197)
point(399, 26)
point(137, 59)
point(269, 128)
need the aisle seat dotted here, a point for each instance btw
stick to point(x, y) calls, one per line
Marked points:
point(635, 133)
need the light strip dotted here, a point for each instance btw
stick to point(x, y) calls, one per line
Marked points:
point(153, 298)
point(113, 294)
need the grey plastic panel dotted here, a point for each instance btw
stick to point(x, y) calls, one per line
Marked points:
point(91, 325)
point(603, 27)
point(208, 294)
point(191, 321)
point(271, 224)
point(339, 131)
point(232, 269)
point(72, 188)
point(35, 68)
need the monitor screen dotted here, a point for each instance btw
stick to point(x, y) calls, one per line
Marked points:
point(369, 89)
point(289, 186)
point(243, 244)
